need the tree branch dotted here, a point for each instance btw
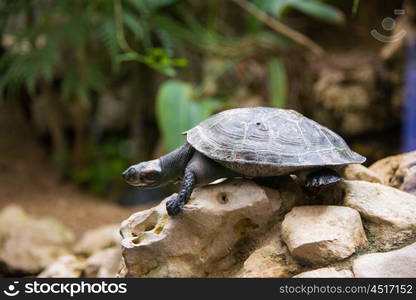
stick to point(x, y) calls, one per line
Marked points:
point(280, 27)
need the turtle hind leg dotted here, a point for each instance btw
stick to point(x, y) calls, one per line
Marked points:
point(321, 178)
point(320, 186)
point(315, 181)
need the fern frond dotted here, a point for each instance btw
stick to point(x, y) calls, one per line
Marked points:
point(133, 23)
point(107, 34)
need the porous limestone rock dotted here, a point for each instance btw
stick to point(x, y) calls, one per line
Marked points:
point(98, 239)
point(215, 228)
point(359, 172)
point(396, 263)
point(322, 234)
point(326, 273)
point(68, 266)
point(398, 171)
point(29, 244)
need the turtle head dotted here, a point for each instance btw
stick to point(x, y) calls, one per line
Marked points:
point(144, 174)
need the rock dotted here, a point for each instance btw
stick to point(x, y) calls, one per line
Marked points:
point(265, 262)
point(390, 214)
point(104, 263)
point(381, 204)
point(98, 239)
point(398, 171)
point(27, 244)
point(68, 266)
point(270, 259)
point(323, 234)
point(359, 172)
point(104, 256)
point(326, 273)
point(397, 263)
point(212, 234)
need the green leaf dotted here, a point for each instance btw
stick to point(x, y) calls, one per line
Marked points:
point(177, 112)
point(146, 6)
point(277, 82)
point(174, 112)
point(320, 11)
point(313, 8)
point(275, 7)
point(169, 71)
point(107, 34)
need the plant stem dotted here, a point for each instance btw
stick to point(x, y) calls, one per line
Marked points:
point(355, 6)
point(280, 27)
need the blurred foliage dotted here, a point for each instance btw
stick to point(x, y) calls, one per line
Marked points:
point(69, 53)
point(178, 111)
point(355, 6)
point(277, 82)
point(313, 8)
point(107, 161)
point(63, 39)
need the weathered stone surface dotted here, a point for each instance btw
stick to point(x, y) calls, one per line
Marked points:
point(270, 259)
point(398, 171)
point(359, 172)
point(29, 245)
point(397, 263)
point(323, 234)
point(326, 273)
point(98, 239)
point(68, 266)
point(381, 204)
point(104, 263)
point(212, 231)
point(264, 262)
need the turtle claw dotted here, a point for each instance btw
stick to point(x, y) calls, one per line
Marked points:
point(174, 206)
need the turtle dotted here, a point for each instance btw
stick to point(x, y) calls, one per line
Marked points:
point(254, 143)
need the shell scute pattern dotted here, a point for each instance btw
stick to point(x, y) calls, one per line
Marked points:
point(244, 138)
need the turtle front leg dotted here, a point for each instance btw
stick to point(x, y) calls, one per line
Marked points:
point(175, 204)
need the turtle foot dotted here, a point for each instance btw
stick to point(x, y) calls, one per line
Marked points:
point(174, 206)
point(323, 177)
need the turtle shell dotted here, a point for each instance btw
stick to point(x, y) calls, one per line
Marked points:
point(265, 141)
